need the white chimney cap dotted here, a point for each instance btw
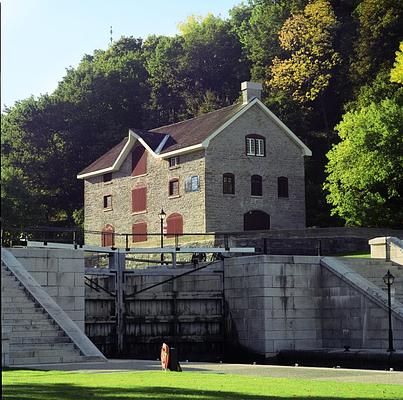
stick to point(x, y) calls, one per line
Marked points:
point(251, 85)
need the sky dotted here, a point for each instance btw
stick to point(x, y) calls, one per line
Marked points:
point(41, 38)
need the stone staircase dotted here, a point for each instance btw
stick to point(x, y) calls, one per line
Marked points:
point(374, 269)
point(34, 338)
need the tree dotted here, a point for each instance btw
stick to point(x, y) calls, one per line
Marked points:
point(365, 168)
point(257, 26)
point(163, 60)
point(380, 28)
point(308, 36)
point(47, 141)
point(396, 75)
point(213, 61)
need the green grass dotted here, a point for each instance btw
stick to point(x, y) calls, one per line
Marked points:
point(56, 385)
point(357, 255)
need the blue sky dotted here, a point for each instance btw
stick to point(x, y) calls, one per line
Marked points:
point(41, 38)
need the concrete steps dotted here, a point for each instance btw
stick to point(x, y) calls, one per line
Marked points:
point(374, 270)
point(34, 337)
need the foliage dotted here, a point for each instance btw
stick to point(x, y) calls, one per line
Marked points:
point(257, 27)
point(379, 28)
point(213, 62)
point(308, 36)
point(396, 75)
point(315, 59)
point(47, 385)
point(365, 168)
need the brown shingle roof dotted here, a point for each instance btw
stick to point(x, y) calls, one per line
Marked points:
point(181, 134)
point(106, 160)
point(194, 131)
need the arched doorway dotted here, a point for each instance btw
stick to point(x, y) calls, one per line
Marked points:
point(108, 236)
point(174, 225)
point(256, 220)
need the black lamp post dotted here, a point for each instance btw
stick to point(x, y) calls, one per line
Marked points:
point(162, 216)
point(389, 279)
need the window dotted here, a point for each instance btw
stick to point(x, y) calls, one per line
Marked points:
point(282, 186)
point(139, 231)
point(192, 184)
point(174, 225)
point(107, 177)
point(173, 161)
point(108, 236)
point(256, 185)
point(228, 183)
point(174, 187)
point(139, 161)
point(255, 146)
point(108, 201)
point(139, 199)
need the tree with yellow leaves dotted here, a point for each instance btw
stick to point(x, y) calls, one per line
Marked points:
point(308, 37)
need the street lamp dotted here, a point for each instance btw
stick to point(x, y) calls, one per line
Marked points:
point(162, 216)
point(389, 279)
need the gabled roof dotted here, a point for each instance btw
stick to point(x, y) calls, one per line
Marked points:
point(107, 160)
point(181, 137)
point(194, 131)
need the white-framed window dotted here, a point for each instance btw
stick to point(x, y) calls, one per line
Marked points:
point(255, 146)
point(259, 145)
point(192, 184)
point(250, 146)
point(173, 161)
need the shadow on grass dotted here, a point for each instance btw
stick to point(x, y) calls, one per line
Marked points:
point(67, 392)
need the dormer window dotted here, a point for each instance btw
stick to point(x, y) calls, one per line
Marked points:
point(173, 161)
point(255, 146)
point(139, 161)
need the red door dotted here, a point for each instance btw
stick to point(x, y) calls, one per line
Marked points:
point(108, 236)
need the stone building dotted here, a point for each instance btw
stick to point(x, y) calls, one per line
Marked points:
point(238, 168)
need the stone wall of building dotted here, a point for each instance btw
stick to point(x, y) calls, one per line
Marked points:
point(190, 205)
point(226, 154)
point(61, 274)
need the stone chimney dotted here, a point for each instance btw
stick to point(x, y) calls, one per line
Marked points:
point(250, 90)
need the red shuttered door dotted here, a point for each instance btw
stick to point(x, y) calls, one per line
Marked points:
point(108, 236)
point(139, 231)
point(174, 225)
point(139, 199)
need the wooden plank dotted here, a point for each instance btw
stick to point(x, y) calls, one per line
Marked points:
point(149, 319)
point(179, 339)
point(99, 271)
point(180, 296)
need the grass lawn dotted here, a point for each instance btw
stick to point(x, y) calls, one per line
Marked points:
point(357, 255)
point(56, 385)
